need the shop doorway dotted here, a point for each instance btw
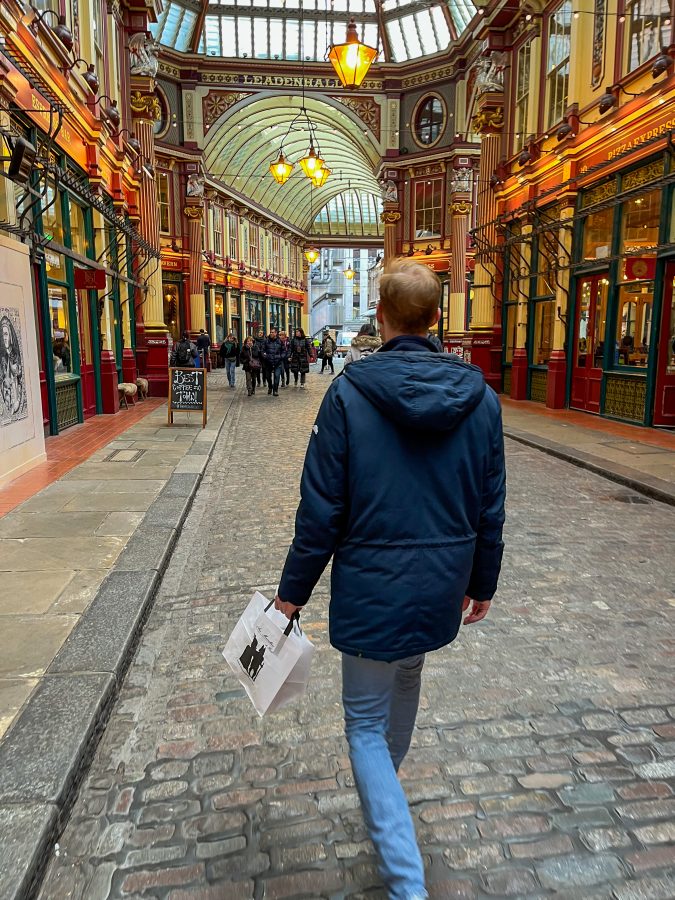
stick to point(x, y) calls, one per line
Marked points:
point(589, 343)
point(664, 405)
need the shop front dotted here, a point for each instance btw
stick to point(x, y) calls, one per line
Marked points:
point(255, 314)
point(623, 323)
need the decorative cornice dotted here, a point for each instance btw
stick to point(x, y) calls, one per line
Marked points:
point(218, 102)
point(489, 120)
point(367, 109)
point(389, 217)
point(193, 212)
point(460, 208)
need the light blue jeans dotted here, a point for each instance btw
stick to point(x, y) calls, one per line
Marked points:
point(231, 369)
point(380, 702)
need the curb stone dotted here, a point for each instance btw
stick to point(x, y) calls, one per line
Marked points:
point(648, 485)
point(48, 748)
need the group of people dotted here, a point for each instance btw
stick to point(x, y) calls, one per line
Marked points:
point(268, 361)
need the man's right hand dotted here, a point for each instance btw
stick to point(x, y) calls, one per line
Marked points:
point(478, 612)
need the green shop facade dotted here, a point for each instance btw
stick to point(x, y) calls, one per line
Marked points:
point(613, 261)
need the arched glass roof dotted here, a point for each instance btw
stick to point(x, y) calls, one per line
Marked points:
point(350, 213)
point(296, 29)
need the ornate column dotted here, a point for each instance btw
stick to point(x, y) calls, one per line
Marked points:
point(460, 212)
point(519, 365)
point(152, 335)
point(390, 218)
point(556, 382)
point(194, 213)
point(485, 326)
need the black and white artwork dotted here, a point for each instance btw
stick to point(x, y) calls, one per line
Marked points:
point(13, 400)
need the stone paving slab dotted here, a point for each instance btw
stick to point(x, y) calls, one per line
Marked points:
point(543, 761)
point(23, 826)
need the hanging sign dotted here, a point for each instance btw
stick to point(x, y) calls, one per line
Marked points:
point(89, 279)
point(187, 392)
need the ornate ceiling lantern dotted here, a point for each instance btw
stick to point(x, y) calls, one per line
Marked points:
point(352, 59)
point(349, 272)
point(281, 169)
point(311, 255)
point(311, 163)
point(320, 177)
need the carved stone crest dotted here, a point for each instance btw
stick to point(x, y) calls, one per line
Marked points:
point(367, 110)
point(195, 186)
point(490, 72)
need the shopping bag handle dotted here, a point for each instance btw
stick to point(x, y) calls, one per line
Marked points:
point(293, 619)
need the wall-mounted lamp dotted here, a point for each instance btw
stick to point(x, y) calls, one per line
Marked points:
point(89, 76)
point(111, 113)
point(608, 100)
point(662, 63)
point(21, 160)
point(132, 140)
point(61, 30)
point(529, 153)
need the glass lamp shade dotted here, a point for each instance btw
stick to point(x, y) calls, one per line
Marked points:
point(349, 273)
point(320, 176)
point(311, 163)
point(281, 169)
point(311, 255)
point(352, 60)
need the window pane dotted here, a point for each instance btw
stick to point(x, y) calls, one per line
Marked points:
point(634, 324)
point(244, 39)
point(511, 321)
point(543, 332)
point(598, 234)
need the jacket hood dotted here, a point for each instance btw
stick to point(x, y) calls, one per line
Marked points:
point(422, 390)
point(366, 342)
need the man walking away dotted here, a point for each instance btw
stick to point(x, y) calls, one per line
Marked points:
point(184, 354)
point(403, 562)
point(260, 347)
point(286, 366)
point(229, 355)
point(274, 355)
point(328, 348)
point(203, 344)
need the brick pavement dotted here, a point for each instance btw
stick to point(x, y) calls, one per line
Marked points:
point(544, 760)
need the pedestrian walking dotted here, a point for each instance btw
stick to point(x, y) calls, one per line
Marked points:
point(300, 354)
point(328, 348)
point(259, 340)
point(184, 353)
point(229, 355)
point(436, 341)
point(274, 355)
point(365, 343)
point(405, 563)
point(203, 344)
point(286, 368)
point(250, 362)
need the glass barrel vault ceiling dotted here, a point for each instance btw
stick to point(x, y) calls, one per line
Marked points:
point(280, 29)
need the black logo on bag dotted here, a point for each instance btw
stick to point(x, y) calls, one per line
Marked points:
point(252, 659)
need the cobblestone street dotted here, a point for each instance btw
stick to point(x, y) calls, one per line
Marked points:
point(544, 759)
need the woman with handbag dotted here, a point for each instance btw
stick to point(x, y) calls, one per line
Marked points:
point(250, 361)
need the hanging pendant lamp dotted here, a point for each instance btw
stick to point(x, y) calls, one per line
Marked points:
point(352, 59)
point(311, 163)
point(311, 255)
point(349, 272)
point(281, 169)
point(320, 177)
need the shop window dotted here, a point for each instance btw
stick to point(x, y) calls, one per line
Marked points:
point(52, 215)
point(597, 239)
point(640, 235)
point(591, 338)
point(171, 306)
point(219, 311)
point(429, 121)
point(78, 234)
point(216, 215)
point(634, 324)
point(649, 29)
point(232, 228)
point(163, 202)
point(60, 327)
point(428, 208)
point(521, 94)
point(542, 344)
point(558, 62)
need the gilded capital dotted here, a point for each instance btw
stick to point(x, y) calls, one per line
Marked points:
point(460, 208)
point(193, 212)
point(488, 120)
point(146, 105)
point(390, 217)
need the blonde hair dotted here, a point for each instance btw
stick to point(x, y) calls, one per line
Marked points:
point(410, 295)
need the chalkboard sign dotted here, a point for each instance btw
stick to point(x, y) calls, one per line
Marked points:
point(187, 392)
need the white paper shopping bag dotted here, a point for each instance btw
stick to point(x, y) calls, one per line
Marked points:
point(270, 655)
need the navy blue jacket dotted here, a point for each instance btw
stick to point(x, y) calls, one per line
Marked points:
point(274, 352)
point(404, 485)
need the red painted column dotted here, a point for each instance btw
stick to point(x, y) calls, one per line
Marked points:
point(519, 374)
point(129, 371)
point(556, 383)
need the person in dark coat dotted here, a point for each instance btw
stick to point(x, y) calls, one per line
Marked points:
point(260, 347)
point(250, 363)
point(328, 348)
point(274, 354)
point(286, 365)
point(229, 355)
point(300, 355)
point(203, 344)
point(405, 471)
